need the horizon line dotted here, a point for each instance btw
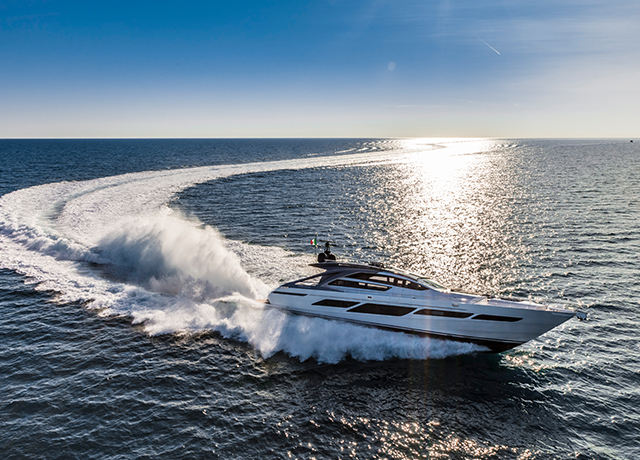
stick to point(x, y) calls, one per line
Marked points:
point(631, 138)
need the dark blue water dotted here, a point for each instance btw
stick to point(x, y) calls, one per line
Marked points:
point(127, 328)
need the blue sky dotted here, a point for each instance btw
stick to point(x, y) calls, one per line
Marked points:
point(320, 69)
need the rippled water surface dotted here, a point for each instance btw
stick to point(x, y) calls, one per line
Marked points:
point(130, 274)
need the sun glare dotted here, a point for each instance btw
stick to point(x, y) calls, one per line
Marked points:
point(452, 217)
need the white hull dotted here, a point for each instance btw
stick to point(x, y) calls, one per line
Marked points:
point(495, 323)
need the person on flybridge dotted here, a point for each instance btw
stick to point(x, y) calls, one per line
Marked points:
point(325, 256)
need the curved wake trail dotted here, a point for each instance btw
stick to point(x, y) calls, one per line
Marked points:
point(115, 243)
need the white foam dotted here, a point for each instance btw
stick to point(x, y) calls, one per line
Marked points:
point(113, 242)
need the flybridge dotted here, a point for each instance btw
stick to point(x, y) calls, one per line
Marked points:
point(332, 265)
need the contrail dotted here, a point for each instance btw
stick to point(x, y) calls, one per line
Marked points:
point(488, 45)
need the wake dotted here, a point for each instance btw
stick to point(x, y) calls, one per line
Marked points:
point(115, 244)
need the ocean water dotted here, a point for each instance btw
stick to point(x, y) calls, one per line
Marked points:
point(131, 273)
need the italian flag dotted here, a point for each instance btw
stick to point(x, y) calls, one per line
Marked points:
point(314, 241)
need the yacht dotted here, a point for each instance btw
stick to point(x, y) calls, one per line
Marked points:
point(392, 299)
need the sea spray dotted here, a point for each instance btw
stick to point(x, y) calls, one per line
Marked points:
point(114, 244)
point(168, 254)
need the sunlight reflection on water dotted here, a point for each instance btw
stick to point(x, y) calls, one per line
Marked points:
point(450, 211)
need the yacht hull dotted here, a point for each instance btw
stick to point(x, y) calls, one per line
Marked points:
point(496, 324)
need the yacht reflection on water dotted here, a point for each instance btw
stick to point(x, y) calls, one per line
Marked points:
point(392, 299)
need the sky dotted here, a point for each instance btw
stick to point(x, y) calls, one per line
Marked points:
point(323, 68)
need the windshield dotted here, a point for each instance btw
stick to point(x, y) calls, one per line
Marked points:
point(432, 284)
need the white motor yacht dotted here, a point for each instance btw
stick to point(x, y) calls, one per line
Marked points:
point(392, 299)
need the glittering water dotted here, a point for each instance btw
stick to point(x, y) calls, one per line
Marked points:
point(129, 271)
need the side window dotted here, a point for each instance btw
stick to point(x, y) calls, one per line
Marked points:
point(358, 285)
point(350, 281)
point(415, 286)
point(384, 279)
point(376, 278)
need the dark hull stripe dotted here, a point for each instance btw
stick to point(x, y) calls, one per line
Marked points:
point(289, 293)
